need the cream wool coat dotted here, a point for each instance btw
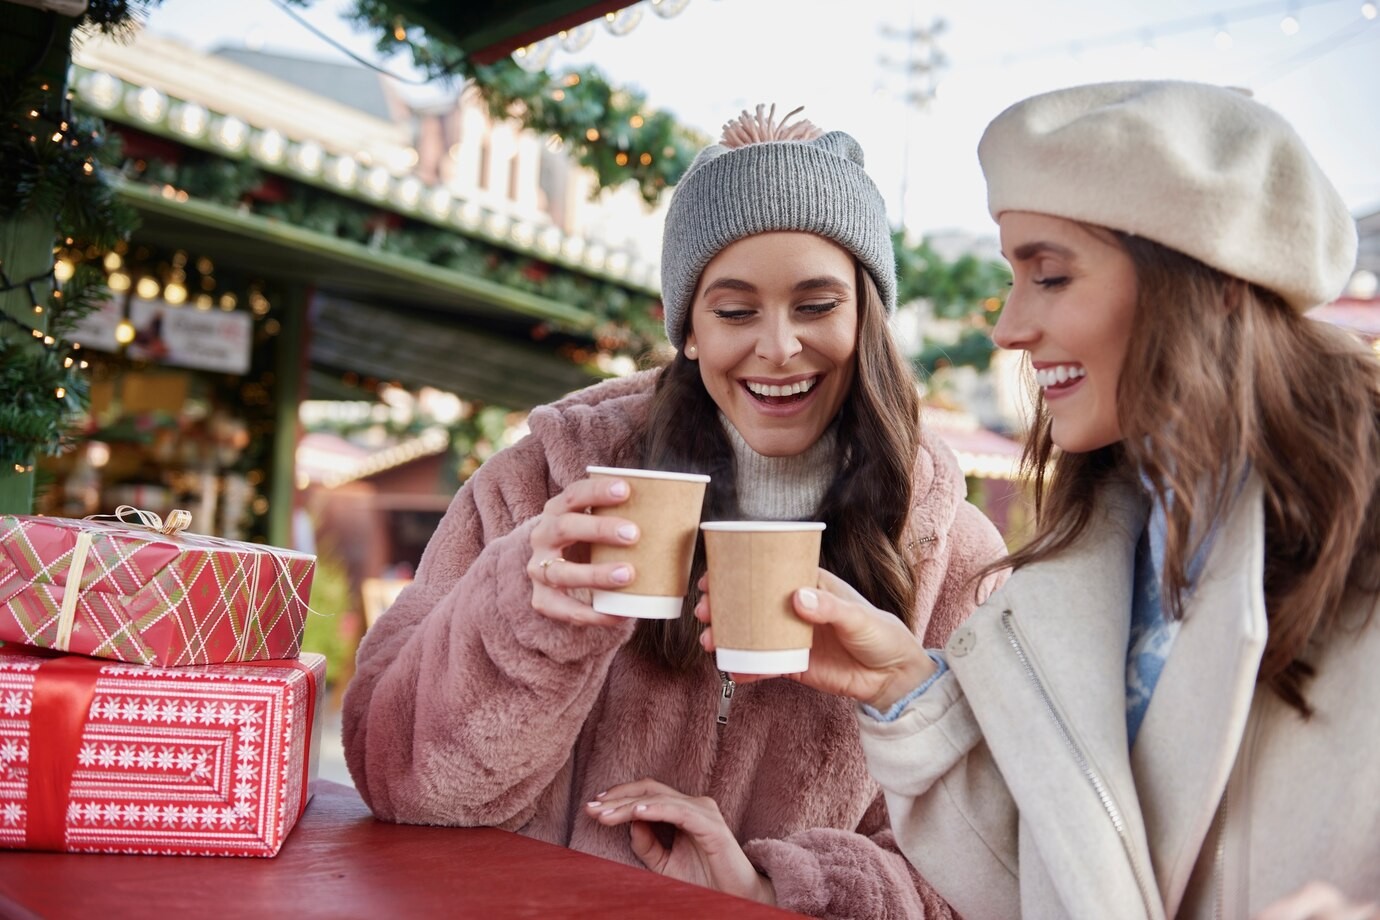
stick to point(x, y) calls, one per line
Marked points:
point(1011, 788)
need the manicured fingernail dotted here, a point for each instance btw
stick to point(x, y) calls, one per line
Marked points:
point(627, 532)
point(621, 575)
point(808, 599)
point(608, 811)
point(593, 804)
point(619, 489)
point(640, 808)
point(600, 795)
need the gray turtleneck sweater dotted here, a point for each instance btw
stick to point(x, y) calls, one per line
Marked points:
point(782, 488)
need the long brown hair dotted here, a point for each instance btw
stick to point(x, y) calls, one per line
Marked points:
point(1222, 377)
point(868, 499)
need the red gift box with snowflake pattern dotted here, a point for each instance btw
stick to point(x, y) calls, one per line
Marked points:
point(115, 589)
point(102, 757)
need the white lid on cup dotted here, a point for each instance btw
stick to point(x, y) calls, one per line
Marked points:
point(646, 474)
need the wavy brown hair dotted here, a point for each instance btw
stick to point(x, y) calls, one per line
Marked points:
point(868, 499)
point(1222, 377)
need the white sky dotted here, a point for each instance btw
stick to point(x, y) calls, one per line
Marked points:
point(719, 56)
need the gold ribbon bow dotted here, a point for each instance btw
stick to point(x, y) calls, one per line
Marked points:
point(178, 520)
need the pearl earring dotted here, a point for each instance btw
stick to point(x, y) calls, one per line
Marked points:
point(691, 352)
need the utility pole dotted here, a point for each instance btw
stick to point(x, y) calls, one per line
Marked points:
point(919, 69)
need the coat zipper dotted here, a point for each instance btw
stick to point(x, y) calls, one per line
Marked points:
point(1219, 883)
point(725, 698)
point(1104, 795)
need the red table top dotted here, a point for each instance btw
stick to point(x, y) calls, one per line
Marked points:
point(340, 862)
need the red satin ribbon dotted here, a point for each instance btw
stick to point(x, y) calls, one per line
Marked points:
point(63, 689)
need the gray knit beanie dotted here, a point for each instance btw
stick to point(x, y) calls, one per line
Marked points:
point(816, 186)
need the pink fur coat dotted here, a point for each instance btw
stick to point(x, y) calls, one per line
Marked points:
point(469, 708)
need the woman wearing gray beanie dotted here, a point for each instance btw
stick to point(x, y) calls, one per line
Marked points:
point(492, 693)
point(1170, 708)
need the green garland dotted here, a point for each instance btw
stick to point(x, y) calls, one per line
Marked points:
point(611, 130)
point(629, 322)
point(50, 164)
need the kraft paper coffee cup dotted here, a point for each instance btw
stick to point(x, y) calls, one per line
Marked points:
point(666, 509)
point(754, 569)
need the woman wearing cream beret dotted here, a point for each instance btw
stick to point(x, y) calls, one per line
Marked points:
point(1172, 707)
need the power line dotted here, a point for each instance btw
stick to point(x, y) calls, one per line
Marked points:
point(1150, 31)
point(342, 49)
point(1314, 51)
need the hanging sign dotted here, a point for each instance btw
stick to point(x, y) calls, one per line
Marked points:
point(211, 340)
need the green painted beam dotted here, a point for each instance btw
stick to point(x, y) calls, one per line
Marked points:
point(289, 366)
point(480, 25)
point(405, 271)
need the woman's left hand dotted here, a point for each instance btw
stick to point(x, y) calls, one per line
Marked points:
point(703, 850)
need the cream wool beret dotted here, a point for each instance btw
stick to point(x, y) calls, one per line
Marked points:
point(1201, 169)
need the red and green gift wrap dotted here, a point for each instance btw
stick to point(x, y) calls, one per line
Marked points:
point(101, 757)
point(121, 591)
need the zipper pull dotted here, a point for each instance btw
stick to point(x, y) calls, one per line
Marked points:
point(726, 698)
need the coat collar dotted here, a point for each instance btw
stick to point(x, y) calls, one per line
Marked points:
point(1071, 617)
point(1181, 764)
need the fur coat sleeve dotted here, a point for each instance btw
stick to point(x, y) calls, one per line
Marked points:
point(469, 708)
point(466, 702)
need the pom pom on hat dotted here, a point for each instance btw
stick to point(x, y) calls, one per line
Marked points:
point(1200, 169)
point(768, 176)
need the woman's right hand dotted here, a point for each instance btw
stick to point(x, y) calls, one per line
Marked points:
point(859, 651)
point(561, 573)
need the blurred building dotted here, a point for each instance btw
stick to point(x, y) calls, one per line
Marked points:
point(306, 233)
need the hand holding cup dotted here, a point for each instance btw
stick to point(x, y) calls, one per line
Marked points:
point(858, 651)
point(563, 576)
point(665, 507)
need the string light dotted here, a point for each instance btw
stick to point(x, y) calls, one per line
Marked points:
point(1289, 25)
point(1369, 10)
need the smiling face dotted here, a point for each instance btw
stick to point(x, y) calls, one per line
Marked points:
point(774, 325)
point(1071, 308)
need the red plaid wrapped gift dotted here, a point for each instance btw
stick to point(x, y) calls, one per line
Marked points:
point(101, 757)
point(144, 593)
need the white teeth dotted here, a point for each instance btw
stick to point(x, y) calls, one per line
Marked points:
point(767, 389)
point(1062, 373)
